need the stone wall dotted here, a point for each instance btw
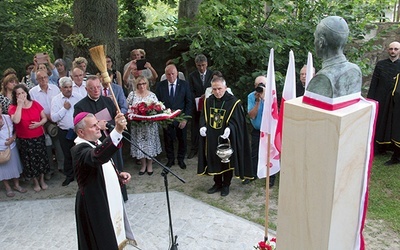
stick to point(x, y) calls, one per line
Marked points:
point(384, 35)
point(158, 51)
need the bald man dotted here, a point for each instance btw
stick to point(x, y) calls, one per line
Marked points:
point(382, 83)
point(337, 77)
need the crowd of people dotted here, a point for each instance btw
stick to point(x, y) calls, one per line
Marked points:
point(61, 118)
point(38, 113)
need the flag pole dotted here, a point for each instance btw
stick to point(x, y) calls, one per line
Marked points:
point(267, 188)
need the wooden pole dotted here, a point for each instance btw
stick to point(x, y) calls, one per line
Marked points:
point(267, 188)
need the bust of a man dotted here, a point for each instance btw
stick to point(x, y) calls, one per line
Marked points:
point(338, 77)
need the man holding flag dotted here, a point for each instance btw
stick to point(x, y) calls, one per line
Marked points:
point(255, 103)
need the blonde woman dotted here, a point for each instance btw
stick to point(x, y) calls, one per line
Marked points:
point(146, 136)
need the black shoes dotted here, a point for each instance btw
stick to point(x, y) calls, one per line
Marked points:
point(170, 164)
point(192, 154)
point(67, 181)
point(225, 191)
point(142, 173)
point(182, 164)
point(392, 161)
point(214, 189)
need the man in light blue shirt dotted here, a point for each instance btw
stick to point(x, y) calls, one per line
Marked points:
point(255, 104)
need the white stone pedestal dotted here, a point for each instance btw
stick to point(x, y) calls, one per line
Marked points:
point(322, 174)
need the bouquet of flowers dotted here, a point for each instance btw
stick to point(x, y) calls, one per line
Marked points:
point(266, 245)
point(153, 112)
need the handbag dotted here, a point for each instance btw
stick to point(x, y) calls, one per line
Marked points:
point(5, 155)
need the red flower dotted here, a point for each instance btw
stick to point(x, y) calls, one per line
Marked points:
point(262, 245)
point(158, 108)
point(142, 108)
point(151, 106)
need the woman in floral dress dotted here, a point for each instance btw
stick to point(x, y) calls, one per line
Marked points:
point(145, 136)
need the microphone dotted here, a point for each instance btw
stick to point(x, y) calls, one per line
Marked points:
point(111, 127)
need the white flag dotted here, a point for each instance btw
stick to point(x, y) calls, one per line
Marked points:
point(268, 125)
point(309, 70)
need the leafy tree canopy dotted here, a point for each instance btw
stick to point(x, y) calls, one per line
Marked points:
point(237, 35)
point(28, 27)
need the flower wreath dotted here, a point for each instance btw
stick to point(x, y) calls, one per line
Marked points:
point(145, 112)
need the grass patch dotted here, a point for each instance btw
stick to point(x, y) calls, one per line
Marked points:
point(384, 193)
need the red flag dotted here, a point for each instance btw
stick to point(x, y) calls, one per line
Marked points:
point(289, 92)
point(268, 125)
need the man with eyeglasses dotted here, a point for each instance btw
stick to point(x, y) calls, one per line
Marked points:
point(104, 109)
point(43, 93)
point(381, 87)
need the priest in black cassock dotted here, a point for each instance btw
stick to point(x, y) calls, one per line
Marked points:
point(101, 218)
point(223, 117)
point(380, 89)
point(104, 109)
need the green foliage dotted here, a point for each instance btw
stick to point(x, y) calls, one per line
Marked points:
point(28, 27)
point(77, 40)
point(237, 35)
point(131, 20)
point(384, 193)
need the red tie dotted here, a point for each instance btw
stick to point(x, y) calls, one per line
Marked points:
point(105, 91)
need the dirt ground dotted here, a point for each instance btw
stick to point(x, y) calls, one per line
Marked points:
point(247, 201)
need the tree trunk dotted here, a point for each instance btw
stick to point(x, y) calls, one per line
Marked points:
point(188, 8)
point(97, 20)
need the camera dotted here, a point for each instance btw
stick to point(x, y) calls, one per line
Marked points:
point(260, 87)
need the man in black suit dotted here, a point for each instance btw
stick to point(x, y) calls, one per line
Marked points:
point(175, 94)
point(199, 81)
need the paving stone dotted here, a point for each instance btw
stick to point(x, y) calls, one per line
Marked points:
point(50, 224)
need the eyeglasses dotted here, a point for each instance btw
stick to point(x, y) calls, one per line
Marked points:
point(142, 83)
point(393, 49)
point(94, 88)
point(108, 62)
point(42, 78)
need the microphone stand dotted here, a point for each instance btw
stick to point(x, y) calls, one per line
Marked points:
point(166, 170)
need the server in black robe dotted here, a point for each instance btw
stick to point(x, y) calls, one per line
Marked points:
point(102, 107)
point(223, 117)
point(380, 89)
point(101, 218)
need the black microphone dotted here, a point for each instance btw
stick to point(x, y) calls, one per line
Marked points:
point(111, 127)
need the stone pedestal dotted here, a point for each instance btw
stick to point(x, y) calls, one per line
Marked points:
point(322, 176)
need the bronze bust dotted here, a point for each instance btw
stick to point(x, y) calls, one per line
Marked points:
point(338, 77)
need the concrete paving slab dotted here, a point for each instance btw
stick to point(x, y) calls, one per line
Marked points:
point(50, 224)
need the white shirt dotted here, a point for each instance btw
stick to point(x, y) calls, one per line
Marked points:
point(79, 90)
point(44, 98)
point(64, 117)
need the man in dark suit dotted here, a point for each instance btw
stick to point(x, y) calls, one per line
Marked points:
point(175, 94)
point(199, 81)
point(118, 93)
